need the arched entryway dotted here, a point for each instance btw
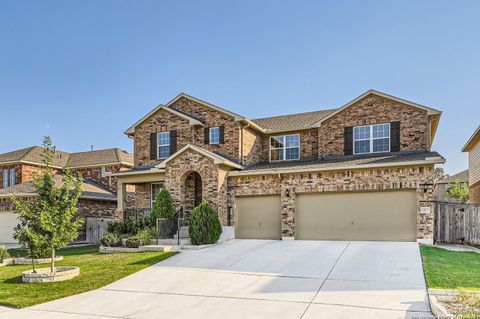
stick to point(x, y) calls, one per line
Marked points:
point(192, 190)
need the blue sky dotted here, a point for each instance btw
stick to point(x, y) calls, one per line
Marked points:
point(84, 71)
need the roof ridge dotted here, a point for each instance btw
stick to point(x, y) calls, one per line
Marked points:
point(285, 115)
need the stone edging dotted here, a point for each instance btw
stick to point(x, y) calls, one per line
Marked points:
point(27, 261)
point(141, 249)
point(43, 275)
point(436, 296)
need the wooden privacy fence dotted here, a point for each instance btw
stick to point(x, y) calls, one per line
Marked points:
point(457, 223)
point(96, 228)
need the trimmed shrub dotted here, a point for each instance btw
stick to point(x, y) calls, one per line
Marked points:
point(135, 224)
point(111, 240)
point(3, 254)
point(118, 227)
point(145, 236)
point(133, 241)
point(163, 207)
point(204, 227)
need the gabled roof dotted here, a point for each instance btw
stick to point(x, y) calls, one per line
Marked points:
point(291, 122)
point(217, 159)
point(90, 190)
point(472, 141)
point(462, 177)
point(192, 120)
point(430, 111)
point(33, 155)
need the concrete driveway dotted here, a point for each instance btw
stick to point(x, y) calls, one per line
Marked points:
point(261, 279)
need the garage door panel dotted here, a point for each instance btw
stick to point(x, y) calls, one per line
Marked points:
point(258, 217)
point(8, 220)
point(356, 216)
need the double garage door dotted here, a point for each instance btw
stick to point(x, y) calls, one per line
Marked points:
point(385, 215)
point(8, 220)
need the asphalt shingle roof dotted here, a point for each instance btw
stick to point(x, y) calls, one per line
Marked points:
point(462, 176)
point(346, 161)
point(90, 189)
point(63, 159)
point(292, 121)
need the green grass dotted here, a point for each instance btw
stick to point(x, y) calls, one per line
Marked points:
point(96, 270)
point(450, 269)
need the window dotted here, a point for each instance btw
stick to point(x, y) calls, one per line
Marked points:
point(214, 135)
point(163, 143)
point(371, 138)
point(285, 147)
point(12, 176)
point(156, 188)
point(5, 178)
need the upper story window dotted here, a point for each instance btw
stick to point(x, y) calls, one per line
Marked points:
point(12, 176)
point(285, 147)
point(371, 138)
point(104, 171)
point(163, 144)
point(5, 178)
point(214, 133)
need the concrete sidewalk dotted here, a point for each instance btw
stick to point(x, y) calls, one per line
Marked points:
point(261, 279)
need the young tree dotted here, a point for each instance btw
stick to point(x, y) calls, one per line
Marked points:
point(439, 174)
point(54, 209)
point(458, 191)
point(163, 206)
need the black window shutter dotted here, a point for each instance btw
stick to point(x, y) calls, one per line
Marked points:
point(348, 140)
point(206, 135)
point(173, 141)
point(395, 136)
point(153, 146)
point(221, 131)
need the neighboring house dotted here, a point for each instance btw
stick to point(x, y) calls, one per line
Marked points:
point(446, 183)
point(98, 199)
point(364, 171)
point(473, 149)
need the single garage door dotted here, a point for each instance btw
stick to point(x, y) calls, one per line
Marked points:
point(8, 220)
point(383, 215)
point(258, 217)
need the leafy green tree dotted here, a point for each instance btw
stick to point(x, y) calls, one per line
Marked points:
point(204, 226)
point(163, 206)
point(50, 221)
point(439, 174)
point(458, 191)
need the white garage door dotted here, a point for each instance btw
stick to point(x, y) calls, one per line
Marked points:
point(258, 217)
point(8, 220)
point(385, 215)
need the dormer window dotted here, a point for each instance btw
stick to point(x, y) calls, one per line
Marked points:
point(214, 135)
point(371, 139)
point(285, 147)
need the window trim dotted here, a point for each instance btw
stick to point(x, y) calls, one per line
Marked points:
point(210, 135)
point(158, 144)
point(371, 139)
point(270, 148)
point(151, 192)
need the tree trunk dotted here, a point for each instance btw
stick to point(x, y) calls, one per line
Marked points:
point(32, 253)
point(52, 268)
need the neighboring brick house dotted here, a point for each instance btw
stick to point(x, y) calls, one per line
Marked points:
point(363, 171)
point(98, 199)
point(473, 149)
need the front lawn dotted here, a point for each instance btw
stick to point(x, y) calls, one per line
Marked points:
point(450, 269)
point(96, 270)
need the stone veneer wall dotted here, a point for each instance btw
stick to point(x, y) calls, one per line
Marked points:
point(414, 124)
point(357, 180)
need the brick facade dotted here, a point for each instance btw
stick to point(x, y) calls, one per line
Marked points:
point(341, 181)
point(95, 173)
point(373, 109)
point(308, 144)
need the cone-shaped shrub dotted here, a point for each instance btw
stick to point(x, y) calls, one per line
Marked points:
point(163, 206)
point(204, 227)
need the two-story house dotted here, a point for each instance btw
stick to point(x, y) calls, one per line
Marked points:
point(363, 171)
point(98, 199)
point(472, 147)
